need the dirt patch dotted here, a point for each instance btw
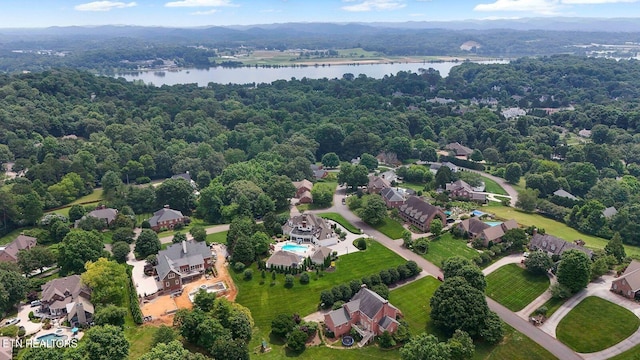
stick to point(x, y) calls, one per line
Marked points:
point(158, 308)
point(315, 340)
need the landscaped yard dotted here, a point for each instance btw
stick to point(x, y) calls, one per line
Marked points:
point(267, 301)
point(219, 237)
point(553, 227)
point(515, 345)
point(413, 300)
point(413, 186)
point(515, 287)
point(493, 187)
point(631, 354)
point(596, 324)
point(552, 305)
point(391, 228)
point(447, 246)
point(340, 220)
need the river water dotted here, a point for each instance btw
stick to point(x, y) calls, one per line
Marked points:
point(247, 75)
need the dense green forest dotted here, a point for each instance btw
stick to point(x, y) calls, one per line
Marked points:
point(244, 144)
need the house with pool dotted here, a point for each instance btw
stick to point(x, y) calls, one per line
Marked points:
point(308, 228)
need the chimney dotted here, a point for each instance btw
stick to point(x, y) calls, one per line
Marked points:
point(82, 318)
point(184, 246)
point(535, 231)
point(166, 206)
point(363, 286)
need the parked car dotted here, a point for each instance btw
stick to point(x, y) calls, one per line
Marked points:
point(11, 321)
point(35, 303)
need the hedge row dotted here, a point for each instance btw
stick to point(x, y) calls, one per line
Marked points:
point(134, 305)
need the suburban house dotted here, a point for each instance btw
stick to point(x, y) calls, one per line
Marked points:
point(459, 150)
point(367, 312)
point(472, 227)
point(420, 213)
point(108, 215)
point(389, 175)
point(318, 172)
point(554, 246)
point(461, 189)
point(182, 262)
point(9, 252)
point(303, 191)
point(565, 194)
point(187, 177)
point(494, 233)
point(628, 284)
point(320, 255)
point(434, 167)
point(310, 229)
point(513, 112)
point(67, 297)
point(166, 218)
point(609, 212)
point(284, 259)
point(376, 184)
point(392, 197)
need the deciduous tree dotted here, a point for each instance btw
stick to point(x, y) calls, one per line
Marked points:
point(574, 271)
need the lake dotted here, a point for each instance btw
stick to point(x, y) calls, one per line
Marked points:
point(246, 75)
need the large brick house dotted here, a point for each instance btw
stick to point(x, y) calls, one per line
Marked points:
point(461, 189)
point(9, 252)
point(553, 245)
point(367, 312)
point(493, 234)
point(108, 215)
point(392, 197)
point(308, 228)
point(67, 297)
point(303, 191)
point(420, 213)
point(180, 263)
point(166, 218)
point(459, 150)
point(628, 284)
point(377, 184)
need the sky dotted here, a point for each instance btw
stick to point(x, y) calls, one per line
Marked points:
point(190, 13)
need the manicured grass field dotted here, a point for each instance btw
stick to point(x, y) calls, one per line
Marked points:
point(515, 345)
point(493, 187)
point(552, 305)
point(413, 186)
point(12, 236)
point(371, 352)
point(391, 228)
point(340, 220)
point(413, 300)
point(631, 354)
point(447, 246)
point(554, 228)
point(515, 287)
point(95, 196)
point(266, 301)
point(596, 324)
point(219, 237)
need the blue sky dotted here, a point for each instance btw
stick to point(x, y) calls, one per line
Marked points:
point(185, 13)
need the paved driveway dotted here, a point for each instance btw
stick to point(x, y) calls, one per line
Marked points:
point(145, 285)
point(23, 315)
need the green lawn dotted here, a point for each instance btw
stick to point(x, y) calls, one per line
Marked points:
point(219, 237)
point(493, 187)
point(447, 246)
point(370, 352)
point(515, 287)
point(553, 227)
point(267, 301)
point(12, 235)
point(391, 228)
point(552, 305)
point(596, 324)
point(340, 220)
point(95, 196)
point(631, 354)
point(413, 300)
point(514, 346)
point(413, 186)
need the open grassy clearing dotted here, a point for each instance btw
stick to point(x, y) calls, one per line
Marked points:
point(413, 186)
point(493, 187)
point(515, 287)
point(391, 228)
point(554, 228)
point(413, 300)
point(371, 352)
point(95, 196)
point(340, 220)
point(515, 345)
point(596, 324)
point(12, 235)
point(219, 237)
point(447, 246)
point(266, 301)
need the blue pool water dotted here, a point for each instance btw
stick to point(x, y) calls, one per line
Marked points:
point(493, 223)
point(51, 339)
point(477, 213)
point(301, 249)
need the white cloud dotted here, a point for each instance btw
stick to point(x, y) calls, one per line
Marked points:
point(547, 7)
point(104, 6)
point(416, 14)
point(206, 12)
point(369, 5)
point(199, 3)
point(591, 2)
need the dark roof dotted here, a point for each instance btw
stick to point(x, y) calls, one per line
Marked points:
point(419, 209)
point(564, 194)
point(554, 245)
point(165, 214)
point(391, 194)
point(339, 316)
point(185, 176)
point(70, 286)
point(459, 149)
point(184, 253)
point(473, 225)
point(459, 184)
point(108, 214)
point(22, 242)
point(386, 321)
point(367, 302)
point(376, 182)
point(316, 226)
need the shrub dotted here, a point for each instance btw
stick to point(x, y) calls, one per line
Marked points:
point(248, 274)
point(145, 224)
point(337, 305)
point(238, 266)
point(360, 243)
point(31, 316)
point(10, 331)
point(178, 226)
point(386, 340)
point(143, 180)
point(21, 331)
point(304, 278)
point(421, 246)
point(542, 310)
point(560, 292)
point(288, 281)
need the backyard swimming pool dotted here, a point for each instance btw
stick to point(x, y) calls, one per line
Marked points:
point(52, 340)
point(295, 248)
point(493, 223)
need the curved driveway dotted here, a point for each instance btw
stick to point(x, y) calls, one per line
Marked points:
point(552, 345)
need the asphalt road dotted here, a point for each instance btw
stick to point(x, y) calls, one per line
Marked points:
point(552, 345)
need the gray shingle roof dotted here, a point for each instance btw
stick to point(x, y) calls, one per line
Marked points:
point(609, 212)
point(391, 194)
point(165, 214)
point(473, 225)
point(555, 245)
point(564, 194)
point(68, 288)
point(320, 229)
point(174, 256)
point(108, 214)
point(319, 255)
point(632, 275)
point(367, 301)
point(419, 209)
point(283, 258)
point(339, 316)
point(22, 242)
